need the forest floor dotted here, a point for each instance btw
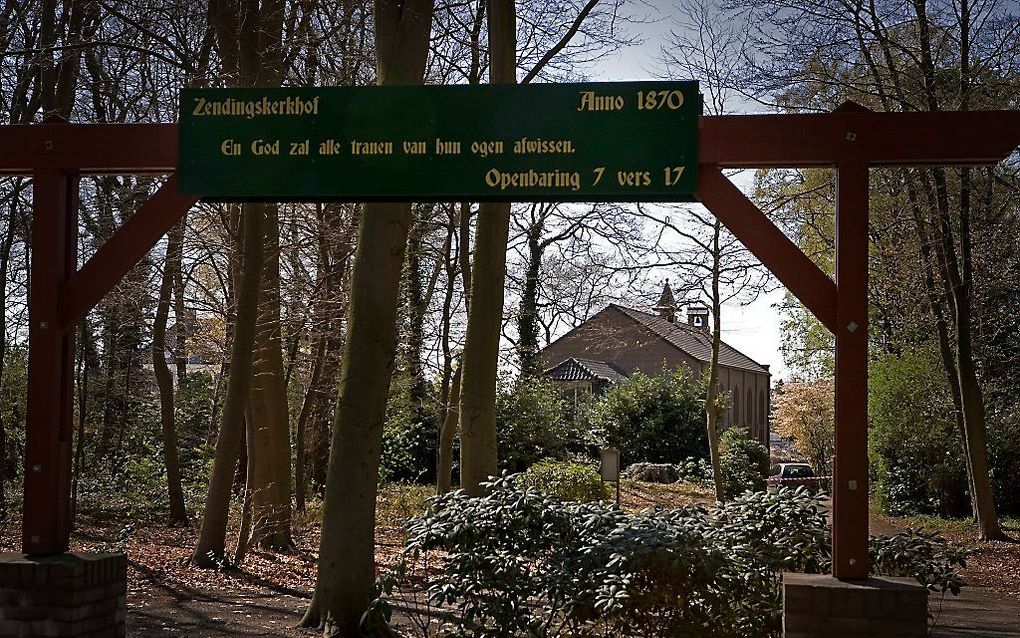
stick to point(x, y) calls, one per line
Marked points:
point(269, 593)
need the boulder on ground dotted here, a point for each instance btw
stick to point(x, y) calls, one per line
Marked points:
point(652, 473)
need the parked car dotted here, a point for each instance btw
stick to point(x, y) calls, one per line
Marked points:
point(794, 475)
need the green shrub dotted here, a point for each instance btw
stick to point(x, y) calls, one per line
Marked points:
point(532, 423)
point(654, 419)
point(926, 556)
point(1004, 449)
point(519, 562)
point(695, 471)
point(410, 434)
point(565, 480)
point(744, 462)
point(913, 440)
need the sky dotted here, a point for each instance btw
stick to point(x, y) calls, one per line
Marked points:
point(753, 329)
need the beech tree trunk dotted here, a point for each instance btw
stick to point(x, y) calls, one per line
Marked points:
point(178, 513)
point(444, 466)
point(210, 548)
point(485, 315)
point(345, 581)
point(268, 422)
point(249, 41)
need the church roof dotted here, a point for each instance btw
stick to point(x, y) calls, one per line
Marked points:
point(574, 369)
point(696, 342)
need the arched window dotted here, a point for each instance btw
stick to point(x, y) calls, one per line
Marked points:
point(763, 410)
point(736, 406)
point(749, 412)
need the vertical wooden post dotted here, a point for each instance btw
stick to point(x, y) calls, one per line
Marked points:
point(46, 522)
point(850, 481)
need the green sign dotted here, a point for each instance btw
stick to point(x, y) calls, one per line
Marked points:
point(628, 141)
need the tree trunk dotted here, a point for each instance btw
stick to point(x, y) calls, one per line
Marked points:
point(178, 512)
point(957, 276)
point(485, 316)
point(444, 466)
point(346, 578)
point(83, 402)
point(346, 574)
point(268, 424)
point(182, 322)
point(244, 533)
point(299, 438)
point(5, 256)
point(712, 409)
point(527, 316)
point(450, 389)
point(210, 548)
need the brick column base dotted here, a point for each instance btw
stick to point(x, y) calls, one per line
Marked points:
point(819, 606)
point(72, 594)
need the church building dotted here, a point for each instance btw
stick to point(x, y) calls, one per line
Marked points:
point(618, 341)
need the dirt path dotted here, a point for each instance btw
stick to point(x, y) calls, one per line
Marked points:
point(989, 606)
point(979, 612)
point(195, 615)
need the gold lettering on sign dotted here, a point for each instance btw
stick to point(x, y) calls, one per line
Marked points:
point(485, 149)
point(329, 147)
point(592, 101)
point(673, 174)
point(633, 178)
point(496, 178)
point(444, 147)
point(371, 148)
point(262, 147)
point(415, 148)
point(290, 106)
point(524, 146)
point(230, 147)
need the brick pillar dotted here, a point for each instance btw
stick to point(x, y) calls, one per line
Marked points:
point(70, 594)
point(820, 606)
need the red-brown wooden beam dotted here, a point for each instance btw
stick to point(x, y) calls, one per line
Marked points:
point(89, 148)
point(850, 474)
point(122, 251)
point(729, 141)
point(46, 523)
point(769, 244)
point(824, 139)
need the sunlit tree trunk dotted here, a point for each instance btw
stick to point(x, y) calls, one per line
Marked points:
point(248, 34)
point(485, 315)
point(268, 422)
point(444, 465)
point(210, 548)
point(346, 578)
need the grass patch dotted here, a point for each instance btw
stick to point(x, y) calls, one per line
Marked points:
point(956, 525)
point(638, 495)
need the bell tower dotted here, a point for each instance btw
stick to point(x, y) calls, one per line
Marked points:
point(666, 308)
point(697, 316)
